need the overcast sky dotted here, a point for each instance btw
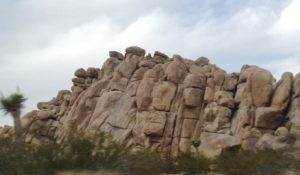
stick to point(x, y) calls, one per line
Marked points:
point(42, 42)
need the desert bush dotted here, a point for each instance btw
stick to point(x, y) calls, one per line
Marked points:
point(144, 162)
point(267, 162)
point(16, 159)
point(102, 172)
point(81, 153)
point(77, 152)
point(191, 164)
point(92, 152)
point(151, 163)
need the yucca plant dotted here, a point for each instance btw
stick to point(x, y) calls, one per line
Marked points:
point(196, 144)
point(12, 105)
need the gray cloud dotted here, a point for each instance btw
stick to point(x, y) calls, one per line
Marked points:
point(44, 42)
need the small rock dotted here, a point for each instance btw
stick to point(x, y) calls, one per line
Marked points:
point(78, 81)
point(80, 73)
point(43, 115)
point(282, 132)
point(136, 50)
point(202, 61)
point(92, 72)
point(158, 53)
point(115, 54)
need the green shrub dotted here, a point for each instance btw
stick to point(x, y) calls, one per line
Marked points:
point(77, 152)
point(188, 163)
point(265, 162)
point(145, 162)
point(98, 152)
point(15, 159)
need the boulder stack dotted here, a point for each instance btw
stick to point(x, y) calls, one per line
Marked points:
point(163, 104)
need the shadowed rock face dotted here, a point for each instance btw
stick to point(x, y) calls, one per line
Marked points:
point(164, 103)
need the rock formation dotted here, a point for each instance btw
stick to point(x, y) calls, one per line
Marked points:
point(163, 103)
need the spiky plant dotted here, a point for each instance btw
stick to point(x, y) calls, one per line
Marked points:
point(196, 144)
point(12, 105)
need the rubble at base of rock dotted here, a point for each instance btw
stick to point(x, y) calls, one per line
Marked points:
point(164, 103)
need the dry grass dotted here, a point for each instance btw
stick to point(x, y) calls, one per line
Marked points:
point(88, 173)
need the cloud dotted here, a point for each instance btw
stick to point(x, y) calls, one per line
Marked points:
point(289, 19)
point(289, 64)
point(48, 40)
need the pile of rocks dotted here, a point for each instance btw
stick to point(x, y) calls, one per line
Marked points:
point(163, 103)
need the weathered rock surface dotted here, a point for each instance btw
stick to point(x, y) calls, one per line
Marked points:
point(164, 103)
point(268, 117)
point(213, 143)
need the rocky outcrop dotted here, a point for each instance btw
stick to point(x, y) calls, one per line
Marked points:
point(163, 103)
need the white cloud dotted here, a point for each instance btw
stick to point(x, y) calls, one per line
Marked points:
point(289, 19)
point(278, 67)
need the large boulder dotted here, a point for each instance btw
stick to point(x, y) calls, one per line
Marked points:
point(135, 50)
point(148, 123)
point(159, 57)
point(92, 72)
point(108, 68)
point(282, 92)
point(81, 73)
point(116, 54)
point(202, 61)
point(249, 138)
point(209, 95)
point(155, 123)
point(245, 72)
point(243, 117)
point(43, 114)
point(224, 98)
point(193, 96)
point(176, 71)
point(219, 76)
point(110, 109)
point(260, 86)
point(195, 81)
point(188, 128)
point(268, 117)
point(223, 118)
point(296, 86)
point(240, 93)
point(163, 94)
point(212, 144)
point(78, 81)
point(269, 141)
point(230, 82)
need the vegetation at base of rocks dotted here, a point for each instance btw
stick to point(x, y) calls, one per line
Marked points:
point(91, 152)
point(77, 153)
point(12, 105)
point(267, 162)
point(101, 172)
point(190, 164)
point(97, 153)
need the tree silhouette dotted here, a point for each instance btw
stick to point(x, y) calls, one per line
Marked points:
point(12, 105)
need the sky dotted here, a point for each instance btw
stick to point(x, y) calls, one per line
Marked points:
point(42, 42)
